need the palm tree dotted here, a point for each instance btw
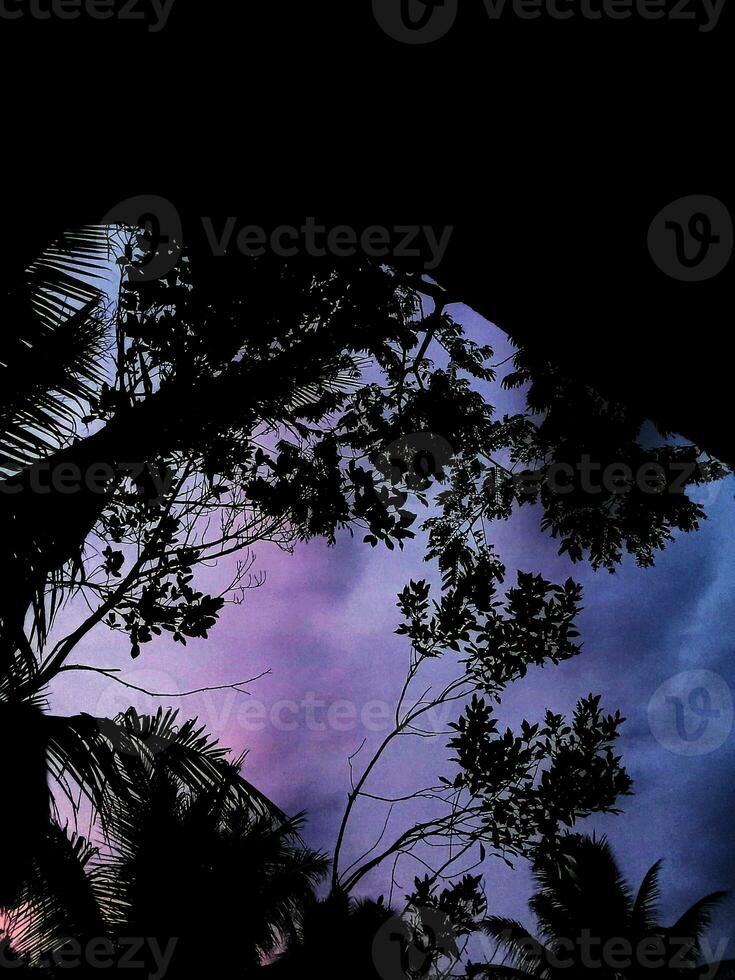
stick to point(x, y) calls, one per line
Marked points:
point(55, 354)
point(51, 348)
point(583, 903)
point(225, 880)
point(202, 864)
point(335, 940)
point(57, 900)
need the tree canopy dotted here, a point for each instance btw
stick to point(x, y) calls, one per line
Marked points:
point(183, 419)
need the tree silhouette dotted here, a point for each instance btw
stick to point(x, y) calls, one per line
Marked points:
point(510, 791)
point(201, 866)
point(582, 295)
point(335, 939)
point(592, 924)
point(232, 402)
point(200, 376)
point(201, 869)
point(57, 902)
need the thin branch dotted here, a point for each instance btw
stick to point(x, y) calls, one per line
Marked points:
point(63, 648)
point(111, 671)
point(371, 849)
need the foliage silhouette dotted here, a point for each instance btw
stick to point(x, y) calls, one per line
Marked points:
point(511, 792)
point(265, 391)
point(201, 866)
point(335, 940)
point(582, 893)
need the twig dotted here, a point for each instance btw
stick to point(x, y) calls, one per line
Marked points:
point(111, 671)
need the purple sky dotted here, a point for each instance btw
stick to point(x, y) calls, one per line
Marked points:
point(323, 623)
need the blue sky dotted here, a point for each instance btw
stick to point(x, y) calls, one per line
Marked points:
point(323, 623)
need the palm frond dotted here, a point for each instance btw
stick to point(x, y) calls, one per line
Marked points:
point(339, 382)
point(645, 908)
point(51, 347)
point(581, 885)
point(81, 760)
point(45, 380)
point(695, 921)
point(70, 273)
point(190, 754)
point(19, 670)
point(528, 954)
point(58, 900)
point(105, 759)
point(209, 841)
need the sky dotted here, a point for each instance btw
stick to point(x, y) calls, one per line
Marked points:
point(658, 645)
